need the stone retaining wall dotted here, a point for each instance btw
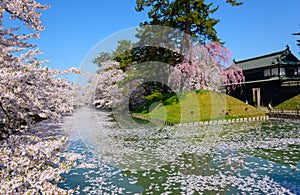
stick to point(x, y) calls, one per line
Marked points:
point(285, 114)
point(212, 122)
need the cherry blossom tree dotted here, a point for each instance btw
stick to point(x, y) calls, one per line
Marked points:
point(107, 91)
point(28, 89)
point(204, 67)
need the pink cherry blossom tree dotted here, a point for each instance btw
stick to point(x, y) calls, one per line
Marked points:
point(27, 88)
point(205, 68)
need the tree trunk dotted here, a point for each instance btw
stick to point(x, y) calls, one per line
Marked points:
point(187, 42)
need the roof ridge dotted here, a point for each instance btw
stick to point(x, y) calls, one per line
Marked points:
point(263, 56)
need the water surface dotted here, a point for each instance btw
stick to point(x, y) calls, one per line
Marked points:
point(254, 157)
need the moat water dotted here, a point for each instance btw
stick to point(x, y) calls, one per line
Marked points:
point(253, 157)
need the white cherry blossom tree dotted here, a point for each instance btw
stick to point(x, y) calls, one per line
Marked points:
point(28, 89)
point(107, 90)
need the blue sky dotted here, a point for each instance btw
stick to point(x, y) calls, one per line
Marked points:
point(75, 27)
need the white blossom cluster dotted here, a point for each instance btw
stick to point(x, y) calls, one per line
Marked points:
point(108, 92)
point(29, 164)
point(27, 88)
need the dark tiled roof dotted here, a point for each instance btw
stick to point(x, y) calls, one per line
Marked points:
point(267, 60)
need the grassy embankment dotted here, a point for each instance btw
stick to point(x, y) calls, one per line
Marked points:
point(198, 106)
point(290, 104)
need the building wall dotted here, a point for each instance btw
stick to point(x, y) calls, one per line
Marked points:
point(270, 92)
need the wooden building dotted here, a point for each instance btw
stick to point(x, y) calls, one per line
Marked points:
point(271, 78)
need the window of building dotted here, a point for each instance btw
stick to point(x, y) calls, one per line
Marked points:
point(267, 72)
point(282, 72)
point(274, 71)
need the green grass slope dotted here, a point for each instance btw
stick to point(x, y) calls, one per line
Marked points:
point(290, 104)
point(198, 106)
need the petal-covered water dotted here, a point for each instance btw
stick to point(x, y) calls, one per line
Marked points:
point(256, 157)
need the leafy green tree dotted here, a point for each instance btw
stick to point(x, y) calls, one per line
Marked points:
point(192, 17)
point(234, 2)
point(127, 53)
point(123, 46)
point(158, 43)
point(102, 57)
point(123, 54)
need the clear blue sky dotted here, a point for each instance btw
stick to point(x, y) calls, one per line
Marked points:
point(74, 27)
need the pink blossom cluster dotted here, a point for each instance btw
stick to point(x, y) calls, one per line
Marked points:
point(204, 68)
